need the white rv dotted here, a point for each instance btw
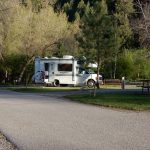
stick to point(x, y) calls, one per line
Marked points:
point(63, 71)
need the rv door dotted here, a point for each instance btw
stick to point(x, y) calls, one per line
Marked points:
point(51, 72)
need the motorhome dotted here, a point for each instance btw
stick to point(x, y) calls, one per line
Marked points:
point(63, 71)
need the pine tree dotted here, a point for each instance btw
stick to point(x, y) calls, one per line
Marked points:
point(97, 34)
point(123, 31)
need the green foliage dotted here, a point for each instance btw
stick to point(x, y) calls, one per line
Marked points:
point(102, 27)
point(96, 32)
point(12, 65)
point(142, 64)
point(17, 61)
point(24, 32)
point(27, 26)
point(37, 5)
point(133, 65)
point(122, 30)
point(125, 65)
point(122, 27)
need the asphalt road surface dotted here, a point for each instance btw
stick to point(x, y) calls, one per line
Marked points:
point(36, 122)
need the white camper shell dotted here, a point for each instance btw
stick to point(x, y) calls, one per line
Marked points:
point(63, 71)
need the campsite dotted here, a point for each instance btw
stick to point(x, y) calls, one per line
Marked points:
point(74, 74)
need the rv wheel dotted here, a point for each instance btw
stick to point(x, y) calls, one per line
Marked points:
point(91, 83)
point(56, 83)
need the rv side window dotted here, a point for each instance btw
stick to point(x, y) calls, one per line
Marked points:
point(46, 65)
point(64, 67)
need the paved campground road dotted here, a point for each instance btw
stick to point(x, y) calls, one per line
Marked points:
point(37, 122)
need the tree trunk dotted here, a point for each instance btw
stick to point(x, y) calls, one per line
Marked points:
point(98, 68)
point(25, 67)
point(97, 84)
point(115, 67)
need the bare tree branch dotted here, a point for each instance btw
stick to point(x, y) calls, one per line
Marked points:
point(142, 24)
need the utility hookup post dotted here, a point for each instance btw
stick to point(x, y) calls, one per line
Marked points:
point(123, 83)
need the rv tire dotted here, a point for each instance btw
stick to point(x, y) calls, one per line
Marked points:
point(56, 83)
point(91, 83)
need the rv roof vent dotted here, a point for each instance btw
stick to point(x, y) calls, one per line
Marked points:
point(54, 57)
point(67, 57)
point(91, 65)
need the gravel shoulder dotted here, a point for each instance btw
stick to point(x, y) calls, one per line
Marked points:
point(5, 144)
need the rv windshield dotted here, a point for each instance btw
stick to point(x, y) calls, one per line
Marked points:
point(91, 71)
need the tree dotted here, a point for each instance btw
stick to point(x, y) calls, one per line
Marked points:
point(73, 8)
point(141, 24)
point(126, 65)
point(96, 36)
point(133, 65)
point(37, 5)
point(141, 64)
point(33, 33)
point(7, 9)
point(68, 44)
point(121, 14)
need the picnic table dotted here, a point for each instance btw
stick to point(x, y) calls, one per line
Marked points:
point(145, 85)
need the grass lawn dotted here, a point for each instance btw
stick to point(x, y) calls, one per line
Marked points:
point(123, 101)
point(43, 89)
